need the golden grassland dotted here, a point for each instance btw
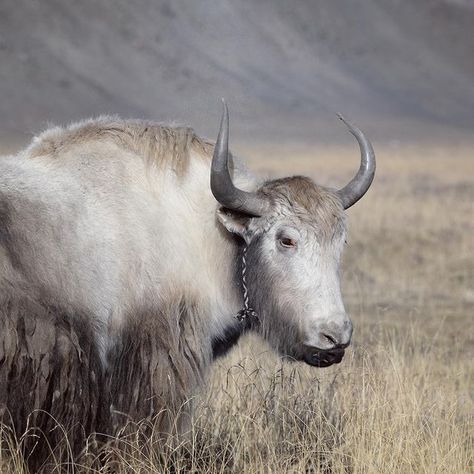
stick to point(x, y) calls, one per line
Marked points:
point(402, 400)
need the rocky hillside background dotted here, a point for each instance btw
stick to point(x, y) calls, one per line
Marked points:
point(403, 70)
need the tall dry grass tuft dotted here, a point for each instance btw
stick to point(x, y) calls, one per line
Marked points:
point(403, 398)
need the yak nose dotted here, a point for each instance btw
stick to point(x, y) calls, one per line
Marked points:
point(333, 335)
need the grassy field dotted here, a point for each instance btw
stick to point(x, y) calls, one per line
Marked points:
point(402, 400)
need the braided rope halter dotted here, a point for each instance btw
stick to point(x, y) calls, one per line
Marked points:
point(247, 313)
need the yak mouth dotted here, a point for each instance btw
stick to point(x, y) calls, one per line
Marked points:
point(322, 358)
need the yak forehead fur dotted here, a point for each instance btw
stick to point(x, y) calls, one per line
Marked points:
point(309, 204)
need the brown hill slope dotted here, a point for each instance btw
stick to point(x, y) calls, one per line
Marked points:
point(404, 70)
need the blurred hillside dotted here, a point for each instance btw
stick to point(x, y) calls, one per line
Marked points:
point(403, 70)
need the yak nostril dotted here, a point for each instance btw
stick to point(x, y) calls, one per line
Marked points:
point(331, 339)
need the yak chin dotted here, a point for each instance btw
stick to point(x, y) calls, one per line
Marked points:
point(322, 358)
point(316, 357)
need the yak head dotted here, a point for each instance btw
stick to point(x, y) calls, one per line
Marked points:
point(293, 233)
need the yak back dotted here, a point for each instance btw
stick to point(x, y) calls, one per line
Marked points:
point(156, 143)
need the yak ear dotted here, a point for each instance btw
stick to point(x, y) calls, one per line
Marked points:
point(236, 223)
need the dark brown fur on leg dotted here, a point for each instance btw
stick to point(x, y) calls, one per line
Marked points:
point(52, 386)
point(49, 377)
point(159, 362)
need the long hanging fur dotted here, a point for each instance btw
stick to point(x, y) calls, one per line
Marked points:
point(52, 384)
point(159, 360)
point(50, 376)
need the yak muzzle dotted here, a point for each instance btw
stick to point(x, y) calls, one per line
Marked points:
point(323, 358)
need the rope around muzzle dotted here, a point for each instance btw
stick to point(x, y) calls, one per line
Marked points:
point(247, 313)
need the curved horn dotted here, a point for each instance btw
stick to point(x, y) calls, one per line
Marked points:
point(221, 182)
point(361, 182)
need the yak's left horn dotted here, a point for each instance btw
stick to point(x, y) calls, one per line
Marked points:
point(221, 183)
point(361, 182)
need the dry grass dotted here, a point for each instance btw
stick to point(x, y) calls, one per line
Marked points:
point(402, 400)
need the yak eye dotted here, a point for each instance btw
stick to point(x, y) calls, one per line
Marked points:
point(287, 242)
